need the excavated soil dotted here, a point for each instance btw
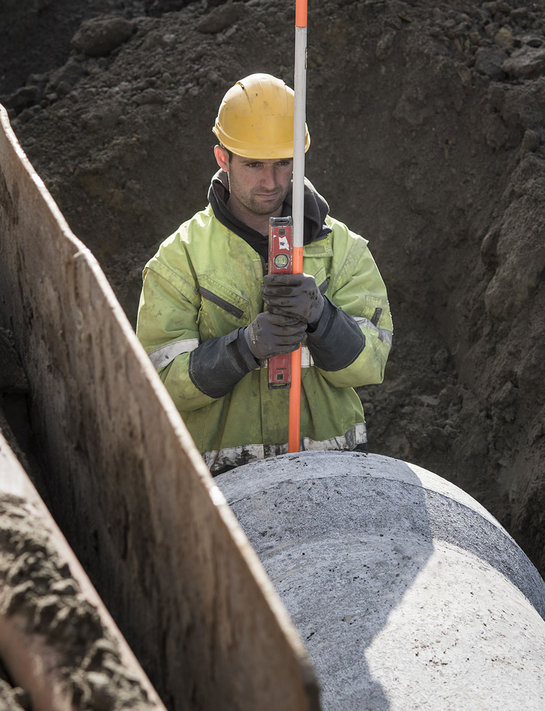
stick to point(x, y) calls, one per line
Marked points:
point(427, 125)
point(37, 588)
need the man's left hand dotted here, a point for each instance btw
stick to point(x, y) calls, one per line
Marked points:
point(295, 295)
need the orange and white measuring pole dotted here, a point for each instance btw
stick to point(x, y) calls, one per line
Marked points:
point(300, 89)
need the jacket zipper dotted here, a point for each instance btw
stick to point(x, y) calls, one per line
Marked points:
point(225, 305)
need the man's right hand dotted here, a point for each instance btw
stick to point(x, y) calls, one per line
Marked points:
point(271, 334)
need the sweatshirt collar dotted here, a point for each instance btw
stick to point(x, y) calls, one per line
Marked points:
point(315, 209)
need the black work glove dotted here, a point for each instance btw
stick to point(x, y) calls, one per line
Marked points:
point(295, 295)
point(270, 334)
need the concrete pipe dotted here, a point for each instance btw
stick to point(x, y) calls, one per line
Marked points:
point(408, 593)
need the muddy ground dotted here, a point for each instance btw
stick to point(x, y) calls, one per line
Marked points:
point(37, 588)
point(427, 125)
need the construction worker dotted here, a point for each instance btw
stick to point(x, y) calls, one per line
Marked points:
point(210, 315)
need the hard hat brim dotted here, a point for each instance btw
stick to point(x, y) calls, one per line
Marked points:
point(267, 150)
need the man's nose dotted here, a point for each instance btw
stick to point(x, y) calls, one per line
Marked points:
point(268, 177)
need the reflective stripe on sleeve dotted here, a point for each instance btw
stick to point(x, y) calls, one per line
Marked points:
point(306, 358)
point(383, 333)
point(166, 354)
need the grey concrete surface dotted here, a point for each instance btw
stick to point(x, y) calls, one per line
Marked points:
point(407, 592)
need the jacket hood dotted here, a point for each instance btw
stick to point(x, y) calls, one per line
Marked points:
point(315, 207)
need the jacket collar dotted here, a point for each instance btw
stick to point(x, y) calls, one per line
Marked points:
point(315, 207)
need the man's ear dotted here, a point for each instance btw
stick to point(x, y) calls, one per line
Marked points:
point(222, 158)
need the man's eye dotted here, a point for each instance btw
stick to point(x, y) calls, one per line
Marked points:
point(253, 165)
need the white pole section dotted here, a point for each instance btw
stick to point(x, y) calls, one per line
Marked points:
point(298, 201)
point(299, 121)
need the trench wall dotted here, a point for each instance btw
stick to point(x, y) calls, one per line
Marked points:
point(129, 490)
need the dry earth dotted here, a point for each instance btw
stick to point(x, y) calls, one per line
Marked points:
point(37, 588)
point(427, 124)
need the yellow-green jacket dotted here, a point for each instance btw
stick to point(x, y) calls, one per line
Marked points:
point(199, 291)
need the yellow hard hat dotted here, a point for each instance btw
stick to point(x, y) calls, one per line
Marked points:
point(255, 118)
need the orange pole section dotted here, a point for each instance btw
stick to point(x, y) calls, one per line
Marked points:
point(294, 425)
point(297, 260)
point(301, 13)
point(294, 434)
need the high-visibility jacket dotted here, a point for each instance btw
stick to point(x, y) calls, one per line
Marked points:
point(204, 282)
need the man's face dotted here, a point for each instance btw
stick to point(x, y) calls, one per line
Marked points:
point(259, 186)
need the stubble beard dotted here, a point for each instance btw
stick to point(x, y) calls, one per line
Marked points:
point(259, 207)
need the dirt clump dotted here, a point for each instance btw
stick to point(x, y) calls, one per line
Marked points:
point(36, 586)
point(12, 698)
point(427, 138)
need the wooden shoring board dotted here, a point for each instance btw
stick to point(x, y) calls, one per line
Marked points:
point(129, 489)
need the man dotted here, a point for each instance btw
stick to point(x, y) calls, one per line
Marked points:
point(210, 315)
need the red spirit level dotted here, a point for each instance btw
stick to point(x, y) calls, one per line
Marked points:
point(280, 262)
